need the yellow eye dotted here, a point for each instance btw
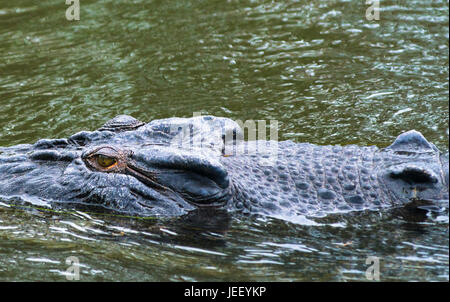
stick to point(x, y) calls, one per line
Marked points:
point(105, 161)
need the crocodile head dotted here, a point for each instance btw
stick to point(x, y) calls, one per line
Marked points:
point(125, 165)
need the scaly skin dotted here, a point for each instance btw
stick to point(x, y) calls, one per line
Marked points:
point(172, 166)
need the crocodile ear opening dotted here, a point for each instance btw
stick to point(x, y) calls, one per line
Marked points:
point(413, 174)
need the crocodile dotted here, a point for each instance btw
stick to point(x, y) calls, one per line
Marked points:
point(170, 167)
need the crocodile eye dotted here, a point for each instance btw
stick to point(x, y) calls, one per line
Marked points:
point(105, 161)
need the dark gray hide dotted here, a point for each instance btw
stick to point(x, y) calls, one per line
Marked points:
point(172, 166)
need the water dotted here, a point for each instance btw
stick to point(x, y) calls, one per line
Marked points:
point(326, 73)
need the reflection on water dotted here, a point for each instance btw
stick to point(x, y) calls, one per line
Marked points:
point(328, 75)
point(211, 247)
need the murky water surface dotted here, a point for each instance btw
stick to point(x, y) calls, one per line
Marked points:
point(326, 73)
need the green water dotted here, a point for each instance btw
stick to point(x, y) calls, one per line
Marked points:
point(326, 73)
